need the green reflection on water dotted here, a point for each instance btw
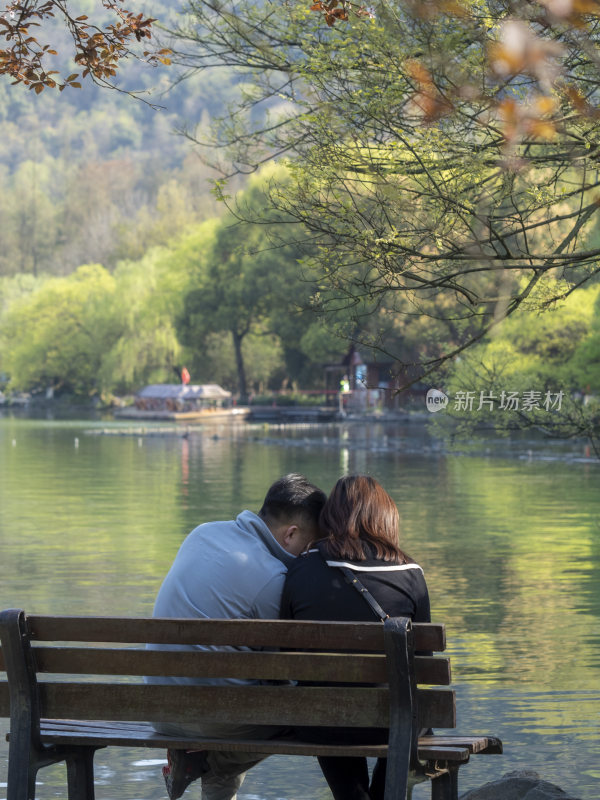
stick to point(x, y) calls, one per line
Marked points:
point(510, 549)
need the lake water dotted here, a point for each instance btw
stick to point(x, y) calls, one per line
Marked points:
point(90, 522)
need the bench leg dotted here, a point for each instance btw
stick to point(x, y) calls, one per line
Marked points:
point(21, 778)
point(80, 774)
point(445, 786)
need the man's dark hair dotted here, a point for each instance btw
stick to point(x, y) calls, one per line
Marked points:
point(293, 495)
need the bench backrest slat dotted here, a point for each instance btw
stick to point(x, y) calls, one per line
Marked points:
point(318, 667)
point(364, 636)
point(278, 705)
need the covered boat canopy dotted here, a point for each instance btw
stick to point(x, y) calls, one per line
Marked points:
point(179, 391)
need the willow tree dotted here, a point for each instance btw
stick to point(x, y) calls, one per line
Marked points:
point(444, 154)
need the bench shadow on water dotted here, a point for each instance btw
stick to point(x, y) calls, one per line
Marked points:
point(509, 541)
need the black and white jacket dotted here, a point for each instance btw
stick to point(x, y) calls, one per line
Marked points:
point(315, 589)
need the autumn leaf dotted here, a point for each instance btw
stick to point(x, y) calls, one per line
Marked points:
point(545, 105)
point(542, 129)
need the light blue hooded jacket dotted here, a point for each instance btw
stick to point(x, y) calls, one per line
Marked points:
point(224, 570)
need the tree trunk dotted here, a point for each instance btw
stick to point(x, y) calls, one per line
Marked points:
point(241, 370)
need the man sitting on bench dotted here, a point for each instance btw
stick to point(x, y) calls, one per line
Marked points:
point(233, 570)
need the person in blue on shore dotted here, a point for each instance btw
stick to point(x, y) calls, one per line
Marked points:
point(233, 570)
point(360, 529)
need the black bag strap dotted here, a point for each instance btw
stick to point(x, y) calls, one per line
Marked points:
point(365, 593)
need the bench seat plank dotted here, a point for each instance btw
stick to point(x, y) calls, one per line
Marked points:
point(476, 744)
point(100, 733)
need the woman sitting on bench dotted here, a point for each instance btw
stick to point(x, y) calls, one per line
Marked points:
point(356, 572)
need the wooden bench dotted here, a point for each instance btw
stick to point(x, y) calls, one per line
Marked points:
point(82, 689)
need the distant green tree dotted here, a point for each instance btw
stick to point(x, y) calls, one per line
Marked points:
point(147, 347)
point(252, 277)
point(149, 299)
point(215, 362)
point(28, 217)
point(56, 337)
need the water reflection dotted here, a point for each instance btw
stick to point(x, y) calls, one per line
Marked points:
point(510, 548)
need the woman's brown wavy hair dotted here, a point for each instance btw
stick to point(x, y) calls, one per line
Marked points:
point(360, 511)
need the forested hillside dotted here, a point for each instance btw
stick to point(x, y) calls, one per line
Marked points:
point(93, 174)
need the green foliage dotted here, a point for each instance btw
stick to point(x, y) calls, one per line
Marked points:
point(57, 336)
point(216, 361)
point(586, 362)
point(251, 287)
point(428, 182)
point(56, 214)
point(147, 347)
point(221, 286)
point(552, 353)
point(11, 289)
point(94, 332)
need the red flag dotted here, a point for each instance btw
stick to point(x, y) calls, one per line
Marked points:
point(185, 375)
